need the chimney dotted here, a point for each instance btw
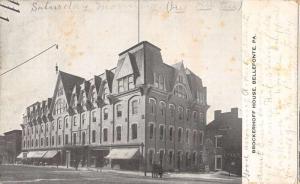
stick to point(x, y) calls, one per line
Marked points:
point(217, 114)
point(235, 111)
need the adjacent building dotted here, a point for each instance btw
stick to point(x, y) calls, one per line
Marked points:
point(141, 112)
point(10, 146)
point(223, 142)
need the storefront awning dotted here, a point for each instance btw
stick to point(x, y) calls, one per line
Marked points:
point(50, 154)
point(36, 154)
point(122, 153)
point(22, 155)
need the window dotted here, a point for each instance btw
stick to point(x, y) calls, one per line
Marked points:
point(161, 156)
point(60, 91)
point(42, 141)
point(180, 91)
point(93, 95)
point(180, 113)
point(59, 123)
point(172, 110)
point(66, 122)
point(74, 121)
point(118, 133)
point(74, 138)
point(170, 157)
point(105, 113)
point(94, 116)
point(133, 131)
point(134, 107)
point(36, 143)
point(201, 137)
point(36, 130)
point(106, 92)
point(161, 82)
point(194, 137)
point(218, 162)
point(31, 142)
point(179, 134)
point(188, 114)
point(53, 126)
point(83, 119)
point(105, 134)
point(60, 106)
point(194, 158)
point(83, 138)
point(66, 139)
point(161, 132)
point(162, 108)
point(52, 140)
point(42, 128)
point(130, 82)
point(200, 158)
point(171, 133)
point(156, 80)
point(119, 110)
point(151, 156)
point(201, 117)
point(47, 141)
point(187, 159)
point(195, 116)
point(59, 140)
point(152, 105)
point(121, 85)
point(151, 131)
point(94, 136)
point(187, 136)
point(218, 139)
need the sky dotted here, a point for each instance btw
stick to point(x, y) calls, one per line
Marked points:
point(91, 34)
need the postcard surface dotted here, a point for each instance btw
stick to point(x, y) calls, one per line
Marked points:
point(134, 91)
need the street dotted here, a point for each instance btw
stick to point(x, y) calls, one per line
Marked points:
point(29, 174)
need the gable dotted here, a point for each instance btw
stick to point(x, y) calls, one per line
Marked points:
point(126, 67)
point(181, 79)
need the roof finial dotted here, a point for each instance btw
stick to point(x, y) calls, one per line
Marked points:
point(56, 68)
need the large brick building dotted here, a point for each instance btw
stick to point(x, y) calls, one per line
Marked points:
point(141, 112)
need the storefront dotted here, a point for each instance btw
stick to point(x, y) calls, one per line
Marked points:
point(124, 158)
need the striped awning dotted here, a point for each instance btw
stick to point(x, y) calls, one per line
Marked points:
point(22, 155)
point(122, 153)
point(36, 154)
point(50, 154)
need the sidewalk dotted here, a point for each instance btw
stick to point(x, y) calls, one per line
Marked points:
point(220, 176)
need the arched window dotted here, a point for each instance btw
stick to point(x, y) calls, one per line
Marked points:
point(180, 113)
point(195, 116)
point(162, 108)
point(152, 103)
point(172, 110)
point(60, 106)
point(66, 122)
point(59, 123)
point(119, 110)
point(105, 93)
point(105, 113)
point(180, 91)
point(134, 106)
point(187, 136)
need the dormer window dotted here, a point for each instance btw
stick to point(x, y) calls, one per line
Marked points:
point(125, 83)
point(159, 81)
